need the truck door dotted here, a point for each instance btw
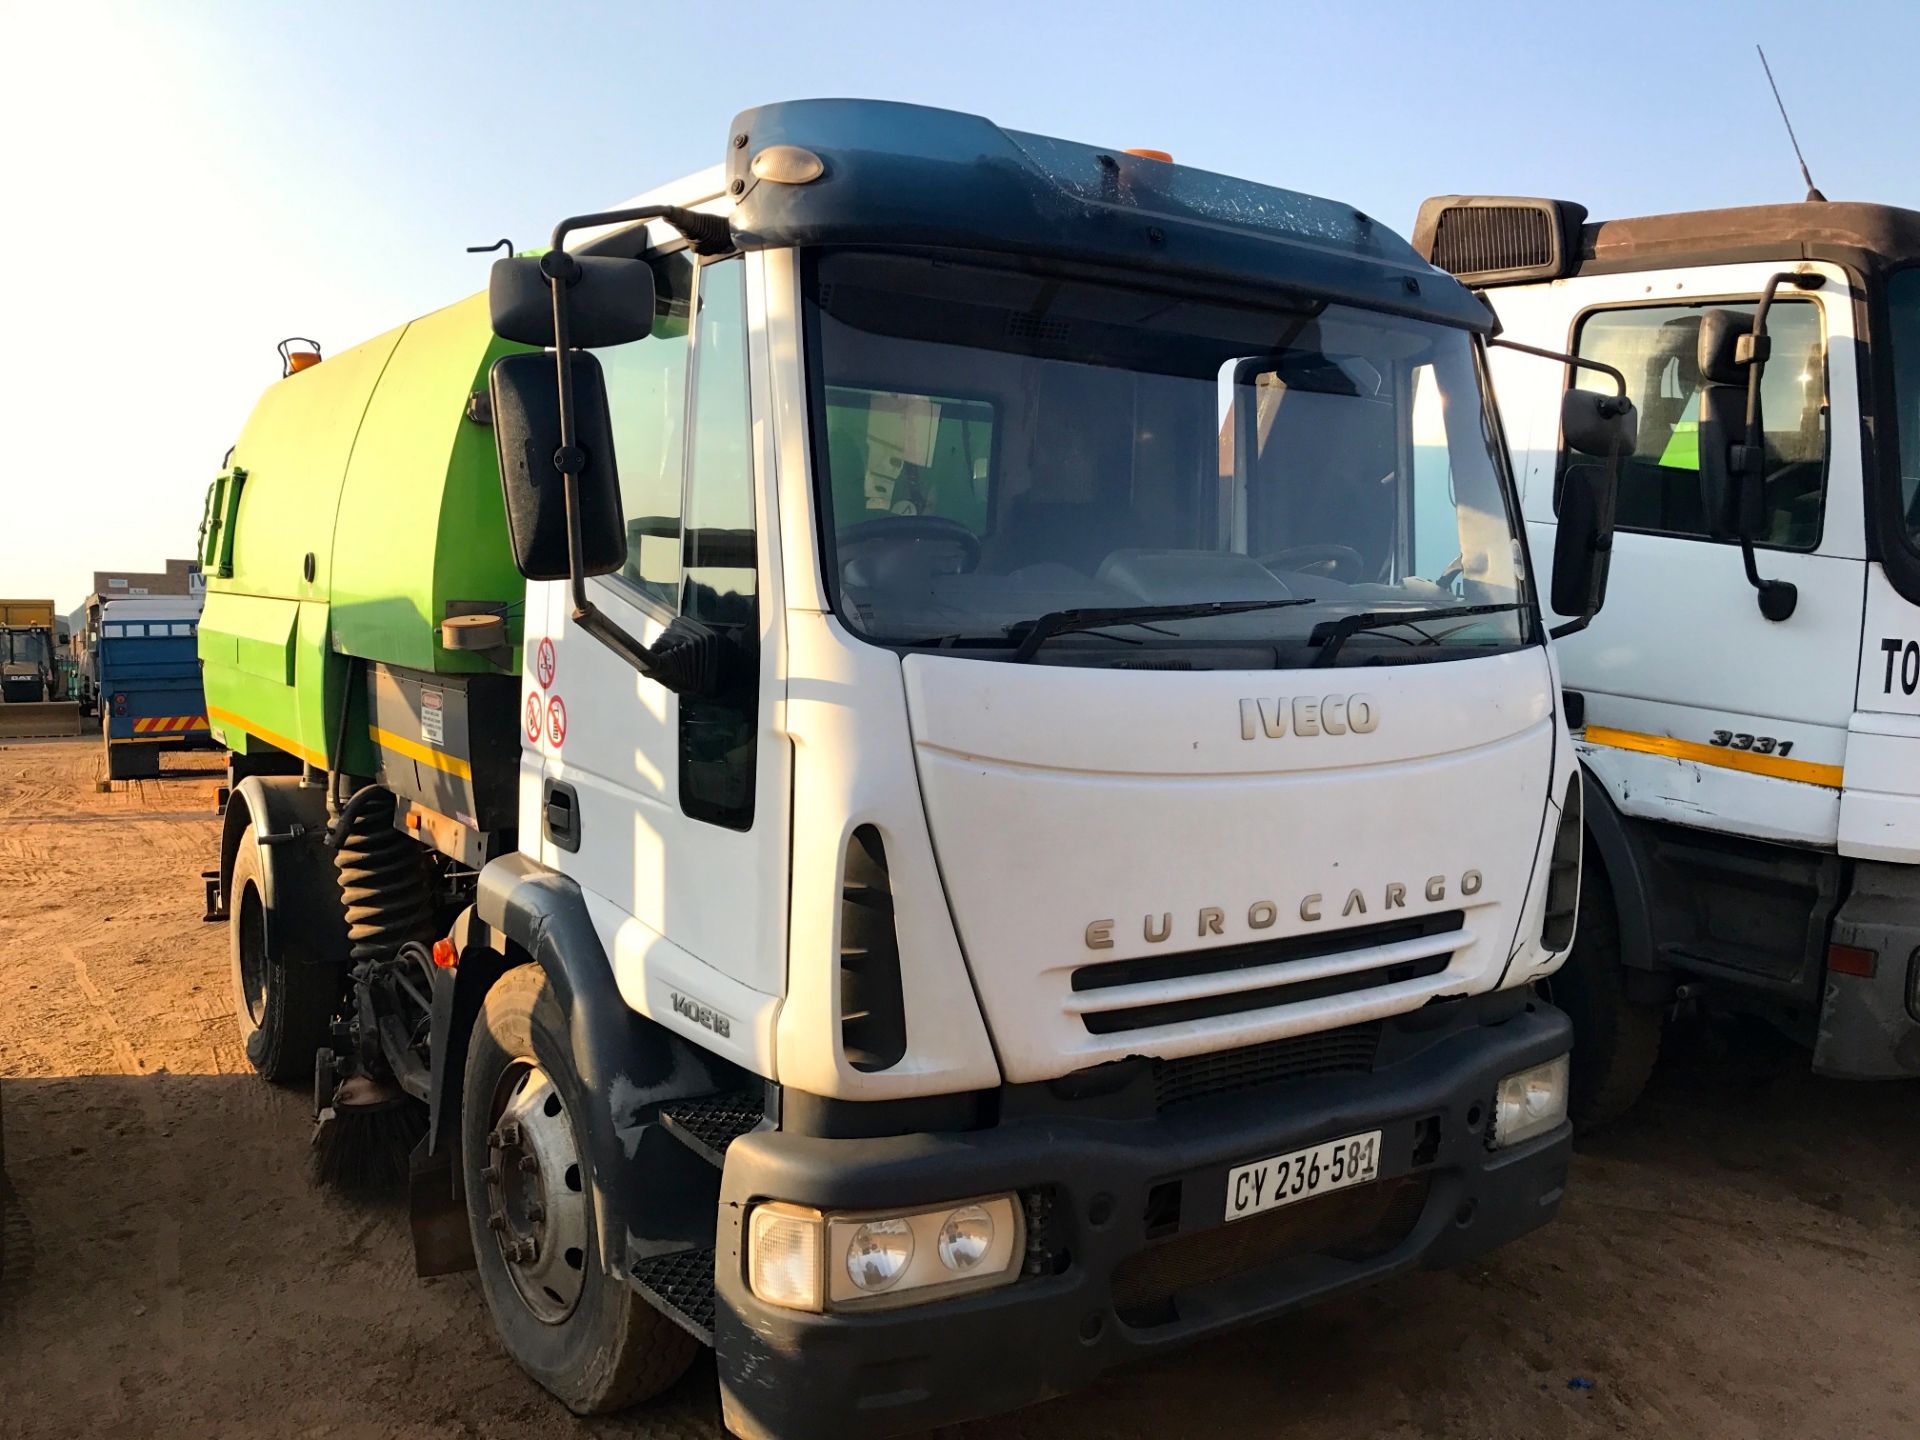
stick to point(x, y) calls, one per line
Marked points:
point(670, 812)
point(1698, 706)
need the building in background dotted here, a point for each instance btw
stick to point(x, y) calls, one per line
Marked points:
point(181, 577)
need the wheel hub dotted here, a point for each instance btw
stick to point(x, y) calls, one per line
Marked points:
point(536, 1195)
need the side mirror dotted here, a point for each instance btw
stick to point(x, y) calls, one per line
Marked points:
point(609, 300)
point(1583, 543)
point(526, 432)
point(1596, 424)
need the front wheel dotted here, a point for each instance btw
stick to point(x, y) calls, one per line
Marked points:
point(283, 1001)
point(1616, 1040)
point(585, 1335)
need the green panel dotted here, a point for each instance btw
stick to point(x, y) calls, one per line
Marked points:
point(254, 635)
point(421, 520)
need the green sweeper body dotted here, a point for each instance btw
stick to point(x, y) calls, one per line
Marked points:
point(360, 509)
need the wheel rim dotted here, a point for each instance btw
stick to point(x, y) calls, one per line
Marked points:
point(253, 955)
point(536, 1193)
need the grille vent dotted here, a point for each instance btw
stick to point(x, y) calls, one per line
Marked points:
point(1347, 1051)
point(873, 1012)
point(1494, 239)
point(1037, 327)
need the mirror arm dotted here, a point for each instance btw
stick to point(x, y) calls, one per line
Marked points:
point(707, 234)
point(1577, 361)
point(1778, 598)
point(1570, 627)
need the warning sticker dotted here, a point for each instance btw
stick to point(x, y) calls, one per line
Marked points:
point(433, 719)
point(545, 663)
point(533, 719)
point(557, 720)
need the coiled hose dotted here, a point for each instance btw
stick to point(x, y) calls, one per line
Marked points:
point(383, 882)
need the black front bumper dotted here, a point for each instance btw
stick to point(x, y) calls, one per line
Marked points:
point(1129, 1253)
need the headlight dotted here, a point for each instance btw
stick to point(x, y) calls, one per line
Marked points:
point(804, 1260)
point(965, 1238)
point(879, 1254)
point(1530, 1102)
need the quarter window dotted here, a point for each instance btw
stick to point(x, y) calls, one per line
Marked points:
point(647, 395)
point(1903, 296)
point(718, 737)
point(1656, 347)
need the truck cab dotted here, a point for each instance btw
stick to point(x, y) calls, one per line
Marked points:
point(26, 651)
point(1017, 810)
point(1751, 696)
point(148, 676)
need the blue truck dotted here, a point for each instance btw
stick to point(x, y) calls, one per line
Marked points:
point(148, 671)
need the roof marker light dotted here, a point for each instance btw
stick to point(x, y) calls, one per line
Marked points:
point(788, 165)
point(1160, 155)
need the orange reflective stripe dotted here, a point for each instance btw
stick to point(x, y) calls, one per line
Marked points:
point(1775, 767)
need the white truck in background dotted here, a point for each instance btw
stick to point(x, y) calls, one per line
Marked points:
point(1747, 710)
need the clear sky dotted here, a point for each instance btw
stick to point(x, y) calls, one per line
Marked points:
point(187, 182)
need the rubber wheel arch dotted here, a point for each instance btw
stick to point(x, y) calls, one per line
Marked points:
point(1616, 1040)
point(302, 995)
point(615, 1349)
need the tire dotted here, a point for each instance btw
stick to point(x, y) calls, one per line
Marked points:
point(583, 1334)
point(284, 1003)
point(1616, 1040)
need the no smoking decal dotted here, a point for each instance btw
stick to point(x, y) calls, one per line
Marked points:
point(544, 664)
point(557, 720)
point(533, 719)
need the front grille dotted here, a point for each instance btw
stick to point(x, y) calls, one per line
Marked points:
point(1348, 1051)
point(1353, 1225)
point(1473, 239)
point(1177, 989)
point(1037, 327)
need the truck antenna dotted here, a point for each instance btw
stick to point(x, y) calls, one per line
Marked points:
point(1813, 191)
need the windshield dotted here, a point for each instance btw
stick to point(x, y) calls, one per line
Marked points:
point(23, 647)
point(998, 447)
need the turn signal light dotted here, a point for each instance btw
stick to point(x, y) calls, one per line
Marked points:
point(444, 955)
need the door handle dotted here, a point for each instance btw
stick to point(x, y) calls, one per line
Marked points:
point(561, 815)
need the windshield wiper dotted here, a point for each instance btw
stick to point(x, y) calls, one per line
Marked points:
point(1064, 622)
point(1330, 635)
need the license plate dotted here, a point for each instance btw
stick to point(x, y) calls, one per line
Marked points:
point(1302, 1174)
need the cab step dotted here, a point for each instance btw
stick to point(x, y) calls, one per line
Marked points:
point(680, 1287)
point(709, 1124)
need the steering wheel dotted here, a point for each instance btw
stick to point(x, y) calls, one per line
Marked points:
point(1325, 559)
point(896, 530)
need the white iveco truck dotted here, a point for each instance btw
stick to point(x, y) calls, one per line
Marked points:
point(1752, 696)
point(1042, 794)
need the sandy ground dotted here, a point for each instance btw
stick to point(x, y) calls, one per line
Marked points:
point(1741, 1259)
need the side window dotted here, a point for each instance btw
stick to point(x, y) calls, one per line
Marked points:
point(1903, 304)
point(897, 453)
point(718, 737)
point(1656, 348)
point(647, 393)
